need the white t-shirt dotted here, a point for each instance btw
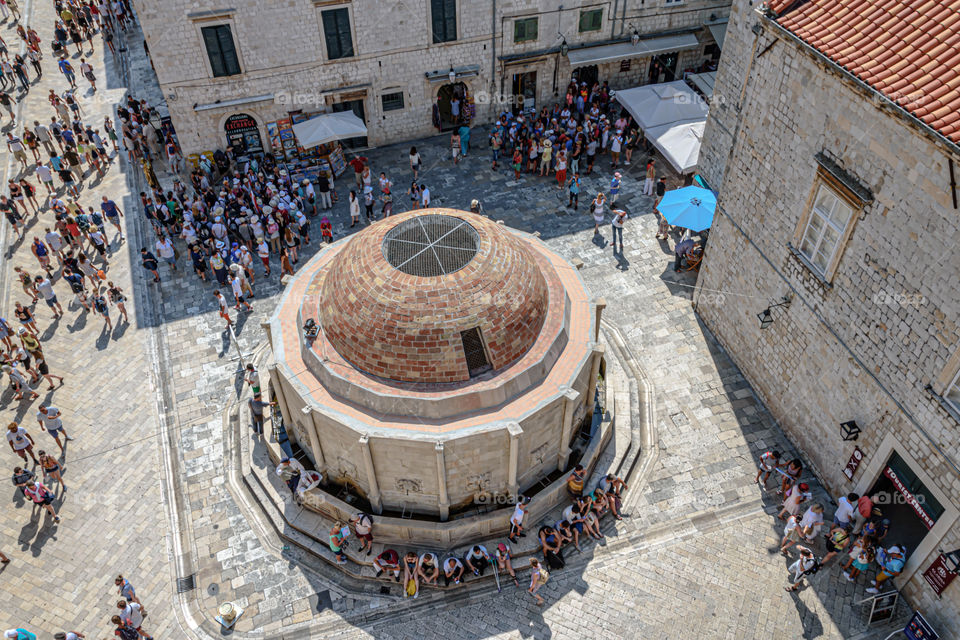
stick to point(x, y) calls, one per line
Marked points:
point(425, 196)
point(50, 419)
point(811, 519)
point(518, 513)
point(790, 526)
point(451, 564)
point(363, 524)
point(18, 438)
point(132, 613)
point(802, 564)
point(165, 248)
point(237, 287)
point(845, 510)
point(569, 515)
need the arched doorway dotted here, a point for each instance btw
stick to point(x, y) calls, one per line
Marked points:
point(243, 134)
point(445, 100)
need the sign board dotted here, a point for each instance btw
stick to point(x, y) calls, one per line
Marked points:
point(920, 629)
point(239, 122)
point(909, 498)
point(938, 575)
point(855, 459)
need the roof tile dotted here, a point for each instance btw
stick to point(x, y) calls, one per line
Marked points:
point(907, 49)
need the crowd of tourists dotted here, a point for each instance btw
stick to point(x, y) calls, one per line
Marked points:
point(856, 534)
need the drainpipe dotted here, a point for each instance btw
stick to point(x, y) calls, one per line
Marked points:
point(613, 17)
point(623, 15)
point(493, 48)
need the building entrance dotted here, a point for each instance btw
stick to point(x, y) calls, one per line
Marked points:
point(906, 503)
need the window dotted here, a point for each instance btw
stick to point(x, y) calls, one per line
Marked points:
point(220, 50)
point(473, 350)
point(825, 228)
point(672, 2)
point(591, 20)
point(443, 14)
point(336, 31)
point(392, 101)
point(525, 29)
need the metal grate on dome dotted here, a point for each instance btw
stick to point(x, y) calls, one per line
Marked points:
point(431, 245)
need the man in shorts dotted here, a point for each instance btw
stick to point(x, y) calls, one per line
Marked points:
point(45, 287)
point(50, 419)
point(363, 525)
point(21, 442)
point(16, 146)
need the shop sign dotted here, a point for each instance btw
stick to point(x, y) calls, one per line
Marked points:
point(239, 122)
point(909, 497)
point(919, 629)
point(938, 575)
point(855, 458)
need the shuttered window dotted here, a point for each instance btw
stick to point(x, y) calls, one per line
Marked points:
point(443, 14)
point(336, 32)
point(221, 50)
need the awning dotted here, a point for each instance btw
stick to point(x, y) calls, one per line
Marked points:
point(718, 30)
point(623, 50)
point(329, 127)
point(235, 102)
point(679, 143)
point(704, 82)
point(654, 105)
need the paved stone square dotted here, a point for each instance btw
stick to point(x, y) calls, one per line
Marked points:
point(695, 559)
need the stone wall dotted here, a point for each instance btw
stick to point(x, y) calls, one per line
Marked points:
point(864, 346)
point(283, 54)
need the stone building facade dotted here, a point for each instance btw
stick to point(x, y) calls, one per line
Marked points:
point(837, 213)
point(390, 60)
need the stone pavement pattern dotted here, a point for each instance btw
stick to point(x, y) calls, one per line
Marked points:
point(61, 575)
point(710, 576)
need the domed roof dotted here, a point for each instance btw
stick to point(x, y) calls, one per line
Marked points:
point(434, 296)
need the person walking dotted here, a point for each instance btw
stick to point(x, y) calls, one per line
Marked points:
point(615, 188)
point(115, 294)
point(51, 419)
point(363, 526)
point(891, 563)
point(619, 217)
point(51, 468)
point(149, 262)
point(805, 565)
point(20, 442)
point(769, 461)
point(19, 383)
point(648, 180)
point(133, 613)
point(597, 207)
point(236, 285)
point(125, 589)
point(41, 495)
point(222, 303)
point(538, 578)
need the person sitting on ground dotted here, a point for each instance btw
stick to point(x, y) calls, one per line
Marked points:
point(389, 560)
point(576, 480)
point(452, 570)
point(477, 559)
point(550, 547)
point(411, 575)
point(613, 485)
point(428, 569)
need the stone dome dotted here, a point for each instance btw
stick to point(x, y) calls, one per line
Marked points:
point(433, 296)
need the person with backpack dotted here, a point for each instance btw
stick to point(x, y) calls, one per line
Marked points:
point(133, 613)
point(806, 565)
point(125, 630)
point(37, 493)
point(538, 578)
point(363, 526)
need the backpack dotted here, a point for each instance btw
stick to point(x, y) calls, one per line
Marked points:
point(127, 633)
point(544, 575)
point(817, 565)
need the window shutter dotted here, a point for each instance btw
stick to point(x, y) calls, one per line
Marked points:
point(330, 35)
point(231, 65)
point(450, 15)
point(212, 42)
point(346, 42)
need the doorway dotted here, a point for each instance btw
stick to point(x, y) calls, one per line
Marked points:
point(663, 68)
point(524, 92)
point(446, 96)
point(906, 503)
point(356, 106)
point(589, 74)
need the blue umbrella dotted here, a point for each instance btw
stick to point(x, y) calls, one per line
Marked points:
point(690, 207)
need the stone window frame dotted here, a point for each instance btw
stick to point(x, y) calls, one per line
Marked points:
point(526, 20)
point(320, 8)
point(947, 384)
point(432, 38)
point(393, 91)
point(582, 13)
point(218, 19)
point(824, 179)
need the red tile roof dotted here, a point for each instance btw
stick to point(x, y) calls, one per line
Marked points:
point(909, 50)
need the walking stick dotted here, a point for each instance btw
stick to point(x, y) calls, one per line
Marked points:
point(496, 573)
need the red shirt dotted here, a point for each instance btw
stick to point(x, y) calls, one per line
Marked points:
point(865, 506)
point(358, 164)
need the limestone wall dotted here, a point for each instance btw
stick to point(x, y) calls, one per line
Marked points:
point(282, 52)
point(885, 327)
